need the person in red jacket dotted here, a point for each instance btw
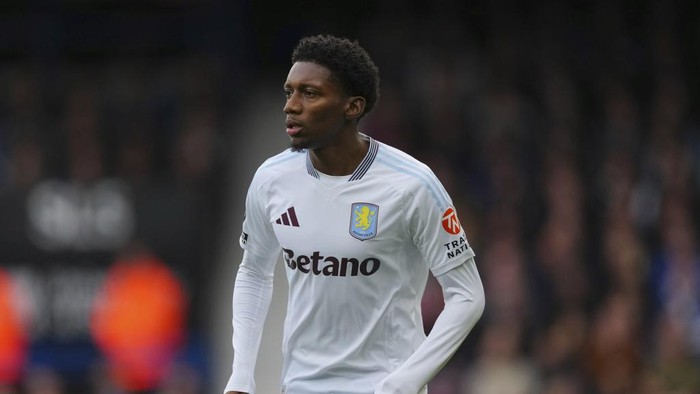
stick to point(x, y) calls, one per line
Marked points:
point(138, 320)
point(13, 335)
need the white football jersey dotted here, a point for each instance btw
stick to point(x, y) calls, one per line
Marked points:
point(357, 254)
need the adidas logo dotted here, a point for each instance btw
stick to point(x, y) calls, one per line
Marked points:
point(288, 218)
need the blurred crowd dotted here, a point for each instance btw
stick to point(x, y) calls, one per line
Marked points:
point(90, 144)
point(567, 135)
point(141, 120)
point(73, 128)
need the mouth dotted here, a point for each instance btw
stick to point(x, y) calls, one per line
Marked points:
point(293, 127)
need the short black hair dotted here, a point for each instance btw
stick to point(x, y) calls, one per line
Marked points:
point(348, 62)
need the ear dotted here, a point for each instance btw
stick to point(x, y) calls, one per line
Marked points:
point(355, 107)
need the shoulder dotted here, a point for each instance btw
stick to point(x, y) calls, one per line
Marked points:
point(412, 175)
point(403, 165)
point(277, 161)
point(281, 164)
point(285, 161)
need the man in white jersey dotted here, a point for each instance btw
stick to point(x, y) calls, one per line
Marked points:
point(359, 225)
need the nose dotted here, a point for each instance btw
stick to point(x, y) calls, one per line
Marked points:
point(292, 106)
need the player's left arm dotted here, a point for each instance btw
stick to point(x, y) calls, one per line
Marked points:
point(464, 303)
point(431, 221)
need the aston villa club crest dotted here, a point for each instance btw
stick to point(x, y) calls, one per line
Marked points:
point(363, 220)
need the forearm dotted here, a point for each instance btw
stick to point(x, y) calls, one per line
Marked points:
point(464, 304)
point(251, 300)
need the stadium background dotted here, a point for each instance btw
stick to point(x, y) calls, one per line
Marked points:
point(566, 132)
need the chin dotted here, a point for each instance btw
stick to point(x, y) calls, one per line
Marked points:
point(298, 145)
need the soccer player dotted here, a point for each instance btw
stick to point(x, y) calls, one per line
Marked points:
point(359, 225)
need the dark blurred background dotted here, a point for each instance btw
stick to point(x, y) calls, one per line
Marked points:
point(567, 134)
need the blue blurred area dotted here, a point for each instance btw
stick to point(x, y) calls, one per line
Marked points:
point(70, 359)
point(79, 362)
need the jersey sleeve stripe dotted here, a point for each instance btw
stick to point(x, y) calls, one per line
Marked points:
point(427, 175)
point(441, 203)
point(428, 179)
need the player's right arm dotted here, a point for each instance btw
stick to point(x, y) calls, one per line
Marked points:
point(252, 292)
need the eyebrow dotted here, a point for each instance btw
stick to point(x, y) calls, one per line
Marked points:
point(302, 85)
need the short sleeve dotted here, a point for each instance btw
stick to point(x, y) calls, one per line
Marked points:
point(257, 235)
point(435, 227)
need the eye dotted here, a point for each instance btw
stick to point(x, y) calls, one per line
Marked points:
point(288, 93)
point(310, 94)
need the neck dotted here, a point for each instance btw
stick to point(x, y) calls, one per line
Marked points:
point(342, 157)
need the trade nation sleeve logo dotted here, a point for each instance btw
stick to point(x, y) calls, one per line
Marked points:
point(450, 222)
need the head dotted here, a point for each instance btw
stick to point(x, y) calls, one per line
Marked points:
point(332, 84)
point(349, 64)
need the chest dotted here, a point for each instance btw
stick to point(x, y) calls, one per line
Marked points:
point(346, 220)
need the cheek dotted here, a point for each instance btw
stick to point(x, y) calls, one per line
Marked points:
point(328, 118)
point(330, 115)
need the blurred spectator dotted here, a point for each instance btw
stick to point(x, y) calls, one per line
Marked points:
point(675, 369)
point(500, 367)
point(195, 145)
point(502, 262)
point(676, 272)
point(562, 281)
point(138, 320)
point(13, 333)
point(626, 262)
point(563, 383)
point(557, 347)
point(135, 158)
point(26, 163)
point(612, 353)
